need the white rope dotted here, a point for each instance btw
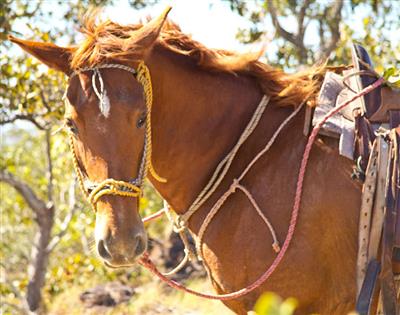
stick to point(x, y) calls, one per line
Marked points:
point(104, 101)
point(224, 165)
point(217, 206)
point(105, 66)
point(189, 255)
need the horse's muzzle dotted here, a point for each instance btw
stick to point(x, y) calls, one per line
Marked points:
point(121, 251)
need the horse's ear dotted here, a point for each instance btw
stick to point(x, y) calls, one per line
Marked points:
point(54, 56)
point(148, 33)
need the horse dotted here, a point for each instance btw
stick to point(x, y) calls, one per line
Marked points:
point(201, 101)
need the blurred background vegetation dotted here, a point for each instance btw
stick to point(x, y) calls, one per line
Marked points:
point(47, 256)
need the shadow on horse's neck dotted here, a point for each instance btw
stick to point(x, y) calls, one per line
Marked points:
point(197, 117)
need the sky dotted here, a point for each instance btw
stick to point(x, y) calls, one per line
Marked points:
point(211, 22)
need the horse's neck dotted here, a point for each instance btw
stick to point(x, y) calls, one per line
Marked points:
point(197, 118)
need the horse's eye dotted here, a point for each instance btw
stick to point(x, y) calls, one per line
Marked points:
point(141, 121)
point(71, 125)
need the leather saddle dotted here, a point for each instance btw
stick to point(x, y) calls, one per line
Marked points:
point(374, 106)
point(369, 133)
point(377, 123)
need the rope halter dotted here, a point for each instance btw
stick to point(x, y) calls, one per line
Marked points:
point(110, 186)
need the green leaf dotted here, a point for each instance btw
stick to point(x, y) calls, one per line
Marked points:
point(389, 72)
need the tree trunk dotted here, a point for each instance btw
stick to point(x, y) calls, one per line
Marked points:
point(39, 260)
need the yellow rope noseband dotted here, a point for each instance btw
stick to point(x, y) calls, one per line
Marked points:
point(111, 186)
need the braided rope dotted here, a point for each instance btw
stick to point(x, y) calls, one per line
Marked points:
point(111, 186)
point(236, 185)
point(114, 187)
point(147, 263)
point(144, 78)
point(189, 255)
point(224, 165)
point(77, 168)
point(105, 66)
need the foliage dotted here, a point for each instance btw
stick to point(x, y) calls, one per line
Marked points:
point(392, 75)
point(271, 304)
point(30, 109)
point(31, 106)
point(309, 31)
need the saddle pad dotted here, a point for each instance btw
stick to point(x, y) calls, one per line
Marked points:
point(338, 124)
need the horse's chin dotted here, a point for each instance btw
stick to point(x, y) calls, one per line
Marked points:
point(118, 266)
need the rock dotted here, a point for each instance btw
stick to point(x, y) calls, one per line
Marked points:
point(109, 294)
point(169, 254)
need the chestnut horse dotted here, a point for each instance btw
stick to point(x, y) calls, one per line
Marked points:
point(202, 101)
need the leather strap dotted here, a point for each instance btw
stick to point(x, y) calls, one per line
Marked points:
point(363, 139)
point(389, 299)
point(368, 194)
point(379, 203)
point(369, 288)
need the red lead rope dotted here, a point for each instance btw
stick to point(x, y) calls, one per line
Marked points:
point(146, 262)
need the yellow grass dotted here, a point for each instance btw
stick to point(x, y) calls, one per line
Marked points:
point(151, 298)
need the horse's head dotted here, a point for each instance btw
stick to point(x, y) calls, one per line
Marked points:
point(108, 117)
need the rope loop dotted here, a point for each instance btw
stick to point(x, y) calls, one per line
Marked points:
point(111, 186)
point(144, 78)
point(146, 262)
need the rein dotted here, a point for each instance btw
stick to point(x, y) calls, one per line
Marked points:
point(133, 187)
point(146, 262)
point(110, 186)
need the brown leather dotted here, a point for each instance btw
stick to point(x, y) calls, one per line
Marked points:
point(364, 137)
point(396, 122)
point(390, 101)
point(391, 228)
point(369, 289)
point(362, 63)
point(389, 299)
point(308, 120)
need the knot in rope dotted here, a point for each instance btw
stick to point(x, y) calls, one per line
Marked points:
point(113, 187)
point(276, 247)
point(234, 186)
point(180, 224)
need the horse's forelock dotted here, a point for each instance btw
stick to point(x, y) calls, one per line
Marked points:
point(107, 40)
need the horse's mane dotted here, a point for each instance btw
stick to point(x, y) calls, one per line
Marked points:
point(106, 40)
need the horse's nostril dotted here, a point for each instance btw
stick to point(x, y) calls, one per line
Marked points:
point(102, 249)
point(140, 245)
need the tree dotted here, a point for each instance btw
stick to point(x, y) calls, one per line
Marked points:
point(37, 186)
point(35, 169)
point(43, 203)
point(30, 93)
point(328, 24)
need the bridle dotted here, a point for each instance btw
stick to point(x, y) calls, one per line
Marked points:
point(133, 188)
point(110, 186)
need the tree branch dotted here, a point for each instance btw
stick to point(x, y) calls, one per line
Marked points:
point(45, 102)
point(301, 16)
point(49, 167)
point(34, 202)
point(296, 39)
point(67, 220)
point(281, 31)
point(334, 27)
point(29, 118)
